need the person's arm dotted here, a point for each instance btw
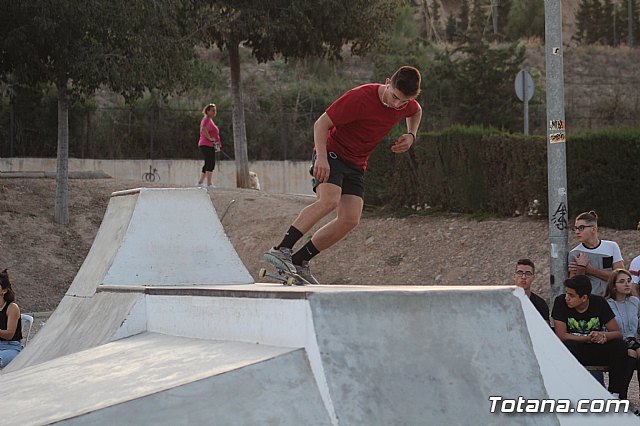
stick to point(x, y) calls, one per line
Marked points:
point(602, 337)
point(581, 266)
point(404, 142)
point(573, 266)
point(561, 331)
point(13, 314)
point(600, 273)
point(638, 330)
point(207, 134)
point(320, 133)
point(545, 313)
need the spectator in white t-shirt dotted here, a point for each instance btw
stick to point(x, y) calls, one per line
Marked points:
point(593, 257)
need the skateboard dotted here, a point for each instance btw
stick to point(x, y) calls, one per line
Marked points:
point(284, 276)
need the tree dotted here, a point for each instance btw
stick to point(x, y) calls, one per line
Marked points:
point(292, 29)
point(473, 85)
point(504, 7)
point(463, 17)
point(127, 45)
point(605, 23)
point(627, 11)
point(586, 21)
point(478, 20)
point(526, 19)
point(450, 29)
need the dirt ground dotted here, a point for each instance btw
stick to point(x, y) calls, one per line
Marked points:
point(43, 258)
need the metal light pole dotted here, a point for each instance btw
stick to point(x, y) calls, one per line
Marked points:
point(556, 147)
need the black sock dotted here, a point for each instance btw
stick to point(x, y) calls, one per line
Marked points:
point(290, 238)
point(307, 252)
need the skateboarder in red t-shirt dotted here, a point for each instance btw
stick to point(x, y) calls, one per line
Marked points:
point(344, 137)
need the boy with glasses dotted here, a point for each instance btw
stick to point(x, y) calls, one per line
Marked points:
point(524, 275)
point(593, 257)
point(344, 136)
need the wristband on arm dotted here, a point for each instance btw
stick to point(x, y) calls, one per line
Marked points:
point(414, 136)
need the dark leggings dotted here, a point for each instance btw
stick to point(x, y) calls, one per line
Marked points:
point(209, 155)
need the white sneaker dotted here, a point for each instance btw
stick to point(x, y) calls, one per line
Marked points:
point(199, 185)
point(212, 186)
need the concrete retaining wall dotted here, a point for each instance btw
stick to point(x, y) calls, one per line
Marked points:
point(288, 177)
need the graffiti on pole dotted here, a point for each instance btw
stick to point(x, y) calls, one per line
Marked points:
point(559, 218)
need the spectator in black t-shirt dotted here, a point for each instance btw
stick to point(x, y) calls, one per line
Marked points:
point(580, 319)
point(523, 276)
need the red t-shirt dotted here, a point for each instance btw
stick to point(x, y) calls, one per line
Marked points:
point(360, 122)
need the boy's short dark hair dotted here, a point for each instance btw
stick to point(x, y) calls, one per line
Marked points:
point(526, 262)
point(580, 283)
point(407, 80)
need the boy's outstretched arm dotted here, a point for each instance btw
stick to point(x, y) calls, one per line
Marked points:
point(404, 142)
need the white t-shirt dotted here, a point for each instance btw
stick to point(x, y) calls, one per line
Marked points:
point(634, 268)
point(602, 257)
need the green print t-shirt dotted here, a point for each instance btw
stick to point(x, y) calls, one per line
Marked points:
point(583, 327)
point(582, 323)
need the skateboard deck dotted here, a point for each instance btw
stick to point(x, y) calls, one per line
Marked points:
point(284, 276)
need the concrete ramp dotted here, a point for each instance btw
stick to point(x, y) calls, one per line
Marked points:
point(409, 358)
point(149, 236)
point(362, 355)
point(174, 238)
point(78, 324)
point(159, 379)
point(160, 236)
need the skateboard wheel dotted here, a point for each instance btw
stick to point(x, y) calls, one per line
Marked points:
point(262, 273)
point(290, 280)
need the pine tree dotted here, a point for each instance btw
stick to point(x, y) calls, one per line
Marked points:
point(450, 29)
point(606, 23)
point(586, 21)
point(526, 19)
point(435, 16)
point(504, 6)
point(463, 18)
point(478, 19)
point(582, 20)
point(622, 22)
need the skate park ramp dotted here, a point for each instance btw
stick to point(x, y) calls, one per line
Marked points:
point(268, 354)
point(148, 236)
point(157, 379)
point(228, 352)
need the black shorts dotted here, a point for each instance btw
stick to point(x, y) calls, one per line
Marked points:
point(347, 177)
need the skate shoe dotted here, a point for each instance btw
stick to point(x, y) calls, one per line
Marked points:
point(280, 258)
point(304, 271)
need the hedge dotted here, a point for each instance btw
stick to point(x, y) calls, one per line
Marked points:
point(483, 170)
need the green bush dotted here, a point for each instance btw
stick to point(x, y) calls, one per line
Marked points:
point(481, 170)
point(601, 175)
